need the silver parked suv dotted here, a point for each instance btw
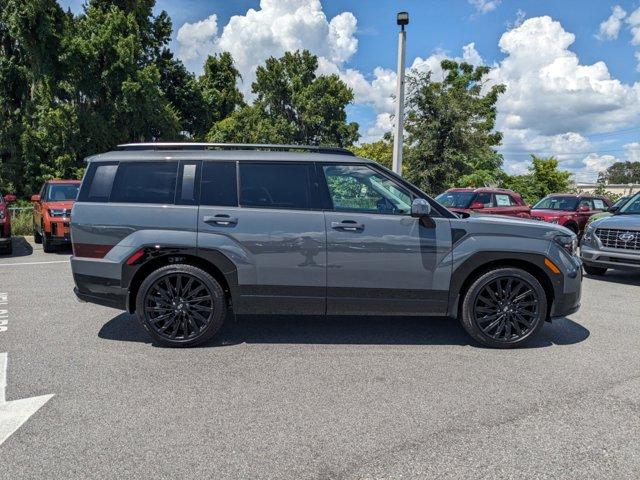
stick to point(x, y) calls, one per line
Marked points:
point(613, 242)
point(181, 233)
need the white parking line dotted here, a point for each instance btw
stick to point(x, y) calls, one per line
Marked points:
point(13, 414)
point(32, 263)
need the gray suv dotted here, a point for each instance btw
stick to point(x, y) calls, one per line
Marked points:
point(613, 242)
point(182, 233)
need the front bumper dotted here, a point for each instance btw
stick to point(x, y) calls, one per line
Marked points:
point(609, 258)
point(58, 231)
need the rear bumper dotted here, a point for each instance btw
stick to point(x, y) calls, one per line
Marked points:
point(610, 258)
point(98, 281)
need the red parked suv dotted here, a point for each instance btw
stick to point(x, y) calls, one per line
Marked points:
point(571, 211)
point(497, 201)
point(5, 225)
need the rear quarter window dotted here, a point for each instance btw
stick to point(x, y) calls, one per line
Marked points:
point(97, 183)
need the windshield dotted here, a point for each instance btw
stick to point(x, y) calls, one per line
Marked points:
point(632, 207)
point(557, 203)
point(621, 201)
point(60, 192)
point(455, 199)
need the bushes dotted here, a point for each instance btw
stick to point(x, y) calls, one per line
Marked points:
point(22, 222)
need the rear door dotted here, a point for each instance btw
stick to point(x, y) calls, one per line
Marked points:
point(265, 217)
point(380, 260)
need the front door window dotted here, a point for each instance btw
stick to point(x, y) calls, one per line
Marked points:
point(358, 188)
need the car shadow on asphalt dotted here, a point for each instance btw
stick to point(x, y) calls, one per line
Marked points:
point(344, 331)
point(618, 276)
point(21, 248)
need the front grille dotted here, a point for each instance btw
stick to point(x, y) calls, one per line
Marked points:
point(610, 238)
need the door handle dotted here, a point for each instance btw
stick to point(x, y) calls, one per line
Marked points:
point(220, 219)
point(349, 225)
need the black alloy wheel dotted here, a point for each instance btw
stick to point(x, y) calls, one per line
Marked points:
point(504, 308)
point(181, 305)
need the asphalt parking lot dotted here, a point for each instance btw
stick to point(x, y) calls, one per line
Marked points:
point(298, 398)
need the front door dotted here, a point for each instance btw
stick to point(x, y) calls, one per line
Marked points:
point(270, 229)
point(380, 260)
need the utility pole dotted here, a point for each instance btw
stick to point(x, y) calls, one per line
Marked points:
point(402, 20)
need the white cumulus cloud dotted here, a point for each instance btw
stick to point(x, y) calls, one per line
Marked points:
point(485, 6)
point(610, 28)
point(276, 27)
point(634, 25)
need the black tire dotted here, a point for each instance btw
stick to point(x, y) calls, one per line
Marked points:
point(504, 308)
point(169, 310)
point(8, 249)
point(598, 271)
point(37, 237)
point(573, 227)
point(47, 246)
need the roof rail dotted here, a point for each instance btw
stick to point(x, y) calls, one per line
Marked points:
point(231, 146)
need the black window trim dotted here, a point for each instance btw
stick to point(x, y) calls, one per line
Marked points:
point(314, 199)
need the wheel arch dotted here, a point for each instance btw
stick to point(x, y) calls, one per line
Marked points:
point(214, 262)
point(481, 263)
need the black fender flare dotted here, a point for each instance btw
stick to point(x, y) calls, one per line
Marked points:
point(532, 262)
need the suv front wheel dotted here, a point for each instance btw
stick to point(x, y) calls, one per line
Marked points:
point(504, 308)
point(181, 305)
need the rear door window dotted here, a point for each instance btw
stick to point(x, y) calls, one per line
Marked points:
point(219, 186)
point(276, 185)
point(485, 198)
point(598, 204)
point(145, 182)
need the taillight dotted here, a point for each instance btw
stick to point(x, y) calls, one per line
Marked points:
point(90, 250)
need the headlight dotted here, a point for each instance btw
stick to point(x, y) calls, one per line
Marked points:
point(568, 242)
point(589, 232)
point(58, 212)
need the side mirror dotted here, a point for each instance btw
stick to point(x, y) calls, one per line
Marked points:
point(476, 205)
point(35, 198)
point(613, 209)
point(420, 208)
point(9, 198)
point(584, 208)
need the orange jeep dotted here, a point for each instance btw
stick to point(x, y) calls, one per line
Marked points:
point(52, 213)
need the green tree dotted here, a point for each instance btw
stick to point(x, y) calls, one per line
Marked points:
point(218, 85)
point(293, 105)
point(450, 128)
point(31, 33)
point(380, 151)
point(543, 178)
point(621, 172)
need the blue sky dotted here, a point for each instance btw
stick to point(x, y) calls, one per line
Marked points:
point(573, 86)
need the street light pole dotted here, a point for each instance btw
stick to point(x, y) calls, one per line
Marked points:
point(402, 20)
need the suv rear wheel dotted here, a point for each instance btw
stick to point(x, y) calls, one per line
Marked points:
point(504, 308)
point(181, 305)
